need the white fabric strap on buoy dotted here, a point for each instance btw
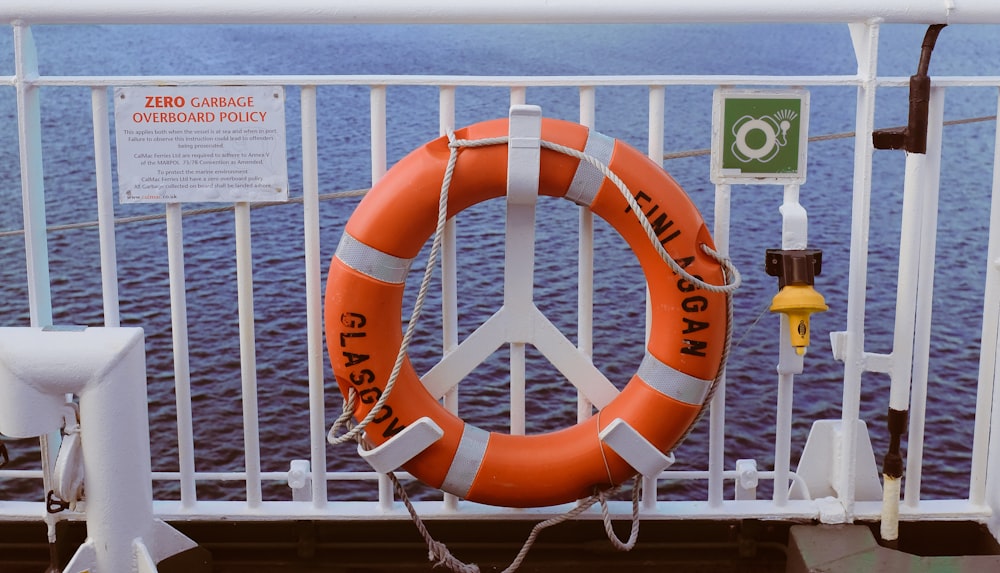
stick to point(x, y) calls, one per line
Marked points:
point(672, 382)
point(468, 458)
point(371, 261)
point(588, 179)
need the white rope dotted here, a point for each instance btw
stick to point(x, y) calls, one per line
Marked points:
point(599, 497)
point(437, 551)
point(609, 530)
point(648, 228)
point(355, 433)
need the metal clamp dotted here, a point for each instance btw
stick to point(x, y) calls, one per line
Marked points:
point(53, 504)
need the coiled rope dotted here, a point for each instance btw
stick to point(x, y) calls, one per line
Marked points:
point(437, 551)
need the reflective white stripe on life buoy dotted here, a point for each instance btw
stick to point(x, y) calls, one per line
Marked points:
point(468, 458)
point(671, 382)
point(371, 261)
point(588, 179)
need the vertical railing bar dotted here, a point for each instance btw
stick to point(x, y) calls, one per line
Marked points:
point(518, 350)
point(449, 270)
point(105, 205)
point(585, 264)
point(377, 106)
point(449, 255)
point(858, 276)
point(29, 125)
point(518, 95)
point(717, 408)
point(182, 367)
point(657, 121)
point(36, 249)
point(794, 231)
point(314, 296)
point(378, 132)
point(925, 298)
point(248, 353)
point(981, 443)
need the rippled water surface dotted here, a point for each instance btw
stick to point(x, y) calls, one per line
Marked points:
point(412, 120)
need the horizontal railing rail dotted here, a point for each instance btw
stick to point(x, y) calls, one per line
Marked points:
point(496, 12)
point(722, 499)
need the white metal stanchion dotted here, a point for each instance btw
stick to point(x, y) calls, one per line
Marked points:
point(106, 368)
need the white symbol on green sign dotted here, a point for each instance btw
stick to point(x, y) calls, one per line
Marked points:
point(761, 136)
point(749, 131)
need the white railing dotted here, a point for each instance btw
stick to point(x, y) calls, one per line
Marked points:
point(311, 486)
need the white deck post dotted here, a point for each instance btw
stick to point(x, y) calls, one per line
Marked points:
point(106, 368)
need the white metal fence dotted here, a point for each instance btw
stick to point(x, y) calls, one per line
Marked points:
point(309, 482)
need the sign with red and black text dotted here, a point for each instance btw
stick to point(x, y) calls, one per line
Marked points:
point(205, 143)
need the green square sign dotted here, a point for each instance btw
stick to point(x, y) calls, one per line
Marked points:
point(759, 136)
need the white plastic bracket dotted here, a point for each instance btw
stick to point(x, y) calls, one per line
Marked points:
point(823, 458)
point(524, 153)
point(300, 480)
point(402, 447)
point(628, 443)
point(747, 478)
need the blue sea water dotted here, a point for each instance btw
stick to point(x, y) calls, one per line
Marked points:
point(412, 120)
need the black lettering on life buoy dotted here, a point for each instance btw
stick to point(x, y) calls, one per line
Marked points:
point(684, 262)
point(392, 429)
point(694, 347)
point(345, 335)
point(696, 303)
point(365, 376)
point(353, 320)
point(367, 396)
point(660, 224)
point(383, 414)
point(355, 359)
point(685, 286)
point(693, 325)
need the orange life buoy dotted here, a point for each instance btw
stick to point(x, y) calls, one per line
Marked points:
point(684, 352)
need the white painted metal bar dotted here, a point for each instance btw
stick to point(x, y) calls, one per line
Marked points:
point(314, 296)
point(496, 11)
point(29, 127)
point(654, 149)
point(657, 105)
point(914, 200)
point(518, 95)
point(377, 102)
point(248, 354)
point(992, 496)
point(931, 511)
point(794, 236)
point(182, 366)
point(105, 205)
point(449, 254)
point(988, 352)
point(449, 270)
point(865, 37)
point(585, 263)
point(500, 81)
point(925, 298)
point(377, 99)
point(717, 408)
